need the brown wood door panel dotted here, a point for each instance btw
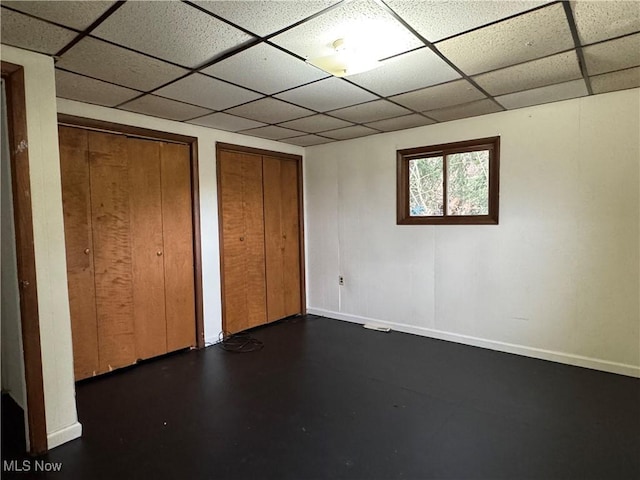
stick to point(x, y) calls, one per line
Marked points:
point(146, 242)
point(282, 237)
point(244, 296)
point(76, 205)
point(290, 215)
point(273, 238)
point(178, 246)
point(270, 256)
point(109, 179)
point(256, 297)
point(130, 247)
point(234, 264)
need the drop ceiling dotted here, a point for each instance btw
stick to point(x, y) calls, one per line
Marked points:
point(240, 65)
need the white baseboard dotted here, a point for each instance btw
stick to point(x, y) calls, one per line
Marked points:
point(64, 435)
point(560, 357)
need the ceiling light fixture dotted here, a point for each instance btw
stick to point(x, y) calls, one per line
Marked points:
point(347, 59)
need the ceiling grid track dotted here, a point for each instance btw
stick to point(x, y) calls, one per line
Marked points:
point(90, 28)
point(576, 40)
point(459, 50)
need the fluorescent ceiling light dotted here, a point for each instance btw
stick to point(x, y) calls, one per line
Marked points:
point(348, 59)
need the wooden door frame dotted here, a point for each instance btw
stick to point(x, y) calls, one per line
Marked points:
point(228, 147)
point(192, 142)
point(13, 75)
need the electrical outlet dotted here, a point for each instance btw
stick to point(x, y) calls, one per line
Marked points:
point(341, 280)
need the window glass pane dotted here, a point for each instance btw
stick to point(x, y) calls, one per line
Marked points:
point(425, 187)
point(468, 183)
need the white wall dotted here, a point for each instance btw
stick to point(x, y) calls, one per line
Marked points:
point(13, 380)
point(557, 279)
point(48, 233)
point(207, 139)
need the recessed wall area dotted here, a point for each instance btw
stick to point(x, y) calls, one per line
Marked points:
point(556, 279)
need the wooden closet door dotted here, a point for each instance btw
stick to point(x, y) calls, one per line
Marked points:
point(178, 246)
point(110, 192)
point(290, 217)
point(244, 294)
point(282, 237)
point(76, 205)
point(147, 247)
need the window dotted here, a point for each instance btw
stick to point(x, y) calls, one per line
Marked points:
point(450, 184)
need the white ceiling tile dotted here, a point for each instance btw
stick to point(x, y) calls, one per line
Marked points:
point(350, 132)
point(272, 132)
point(266, 69)
point(316, 123)
point(620, 80)
point(265, 17)
point(413, 70)
point(537, 73)
point(74, 14)
point(400, 123)
point(270, 110)
point(224, 121)
point(444, 95)
point(327, 94)
point(613, 55)
point(207, 92)
point(173, 31)
point(551, 93)
point(102, 60)
point(370, 111)
point(85, 89)
point(438, 19)
point(361, 21)
point(164, 108)
point(526, 37)
point(518, 60)
point(601, 20)
point(25, 32)
point(472, 109)
point(307, 140)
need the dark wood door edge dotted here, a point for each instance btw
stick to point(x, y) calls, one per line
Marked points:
point(258, 151)
point(13, 76)
point(129, 130)
point(197, 245)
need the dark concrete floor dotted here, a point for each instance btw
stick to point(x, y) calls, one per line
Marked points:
point(327, 399)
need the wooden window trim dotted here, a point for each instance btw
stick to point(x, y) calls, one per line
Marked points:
point(402, 171)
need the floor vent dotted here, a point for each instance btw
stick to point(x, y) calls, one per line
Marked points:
point(376, 328)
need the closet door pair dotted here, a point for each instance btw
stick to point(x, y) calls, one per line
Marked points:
point(129, 245)
point(260, 210)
